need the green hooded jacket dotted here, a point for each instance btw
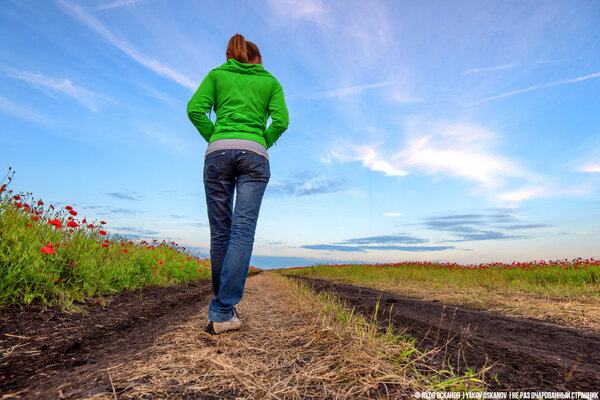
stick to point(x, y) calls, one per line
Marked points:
point(243, 96)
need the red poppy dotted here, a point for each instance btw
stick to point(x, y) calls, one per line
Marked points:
point(103, 233)
point(48, 249)
point(17, 197)
point(57, 224)
point(51, 206)
point(69, 208)
point(35, 218)
point(3, 188)
point(200, 270)
point(73, 212)
point(104, 244)
point(40, 203)
point(84, 221)
point(28, 225)
point(26, 206)
point(125, 251)
point(38, 212)
point(161, 263)
point(90, 226)
point(72, 224)
point(102, 222)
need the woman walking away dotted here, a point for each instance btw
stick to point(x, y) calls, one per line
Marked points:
point(243, 95)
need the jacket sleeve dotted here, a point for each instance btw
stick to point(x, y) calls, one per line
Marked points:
point(279, 116)
point(202, 101)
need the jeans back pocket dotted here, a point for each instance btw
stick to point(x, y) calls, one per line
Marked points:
point(214, 166)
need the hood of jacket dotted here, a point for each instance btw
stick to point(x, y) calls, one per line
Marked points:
point(233, 65)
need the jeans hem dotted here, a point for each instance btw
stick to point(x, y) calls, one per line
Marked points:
point(219, 316)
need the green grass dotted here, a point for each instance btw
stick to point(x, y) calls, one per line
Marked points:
point(563, 278)
point(79, 262)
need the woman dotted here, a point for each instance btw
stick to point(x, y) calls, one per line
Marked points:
point(243, 95)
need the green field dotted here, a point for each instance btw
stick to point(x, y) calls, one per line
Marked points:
point(55, 256)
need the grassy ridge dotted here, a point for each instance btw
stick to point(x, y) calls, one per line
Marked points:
point(562, 278)
point(55, 257)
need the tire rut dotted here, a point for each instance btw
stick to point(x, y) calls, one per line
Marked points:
point(526, 354)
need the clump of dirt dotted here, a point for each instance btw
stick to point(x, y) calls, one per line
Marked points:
point(525, 354)
point(46, 352)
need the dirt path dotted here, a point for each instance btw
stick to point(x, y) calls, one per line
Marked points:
point(46, 353)
point(528, 354)
point(153, 346)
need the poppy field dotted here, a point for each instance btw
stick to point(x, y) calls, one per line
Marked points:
point(54, 256)
point(559, 278)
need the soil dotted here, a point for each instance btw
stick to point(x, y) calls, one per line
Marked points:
point(524, 354)
point(46, 353)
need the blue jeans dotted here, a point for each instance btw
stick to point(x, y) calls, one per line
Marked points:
point(232, 231)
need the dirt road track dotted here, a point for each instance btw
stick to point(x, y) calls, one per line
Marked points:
point(45, 352)
point(528, 354)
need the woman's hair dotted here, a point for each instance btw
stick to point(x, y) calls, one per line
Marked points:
point(237, 49)
point(252, 51)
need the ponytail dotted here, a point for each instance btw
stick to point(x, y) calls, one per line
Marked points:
point(236, 49)
point(253, 52)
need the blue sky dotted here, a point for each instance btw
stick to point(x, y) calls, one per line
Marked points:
point(462, 131)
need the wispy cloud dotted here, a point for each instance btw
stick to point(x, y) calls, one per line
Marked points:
point(64, 86)
point(591, 168)
point(353, 90)
point(494, 68)
point(481, 226)
point(393, 214)
point(546, 85)
point(137, 231)
point(363, 249)
point(118, 4)
point(385, 242)
point(370, 158)
point(460, 150)
point(167, 99)
point(19, 111)
point(306, 184)
point(126, 196)
point(142, 59)
point(308, 10)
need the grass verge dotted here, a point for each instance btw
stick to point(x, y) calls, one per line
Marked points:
point(55, 257)
point(566, 291)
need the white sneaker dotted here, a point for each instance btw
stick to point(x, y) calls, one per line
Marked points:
point(217, 328)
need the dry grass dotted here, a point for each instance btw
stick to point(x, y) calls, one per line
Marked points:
point(292, 346)
point(580, 312)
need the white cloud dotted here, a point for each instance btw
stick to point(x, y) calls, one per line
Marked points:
point(142, 59)
point(459, 151)
point(393, 214)
point(310, 10)
point(352, 90)
point(495, 68)
point(65, 86)
point(462, 151)
point(369, 158)
point(591, 168)
point(167, 99)
point(548, 190)
point(118, 4)
point(19, 111)
point(546, 85)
